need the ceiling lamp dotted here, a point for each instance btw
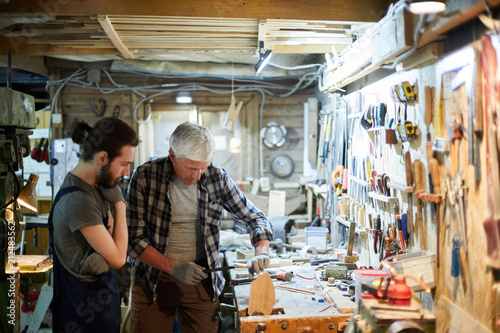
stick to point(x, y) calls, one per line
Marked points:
point(183, 98)
point(264, 57)
point(426, 6)
point(27, 196)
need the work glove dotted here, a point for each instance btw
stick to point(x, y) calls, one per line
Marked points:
point(257, 264)
point(113, 194)
point(95, 264)
point(188, 272)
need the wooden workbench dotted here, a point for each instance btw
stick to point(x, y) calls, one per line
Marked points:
point(292, 312)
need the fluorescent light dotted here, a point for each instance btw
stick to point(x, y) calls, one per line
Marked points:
point(427, 7)
point(264, 59)
point(184, 98)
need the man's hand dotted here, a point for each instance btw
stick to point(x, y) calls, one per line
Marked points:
point(258, 263)
point(113, 194)
point(95, 264)
point(188, 272)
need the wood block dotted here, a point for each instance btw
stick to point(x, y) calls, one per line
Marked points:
point(244, 254)
point(342, 303)
point(32, 263)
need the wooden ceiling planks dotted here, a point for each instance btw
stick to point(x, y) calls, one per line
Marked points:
point(335, 10)
point(143, 35)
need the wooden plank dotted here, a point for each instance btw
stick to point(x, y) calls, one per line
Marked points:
point(335, 10)
point(454, 319)
point(342, 303)
point(113, 36)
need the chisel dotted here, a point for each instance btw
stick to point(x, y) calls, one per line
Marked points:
point(217, 269)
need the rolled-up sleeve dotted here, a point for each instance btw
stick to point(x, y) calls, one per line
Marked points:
point(244, 210)
point(137, 208)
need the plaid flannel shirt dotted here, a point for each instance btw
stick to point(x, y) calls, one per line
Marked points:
point(149, 214)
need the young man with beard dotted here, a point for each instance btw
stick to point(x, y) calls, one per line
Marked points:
point(175, 210)
point(85, 239)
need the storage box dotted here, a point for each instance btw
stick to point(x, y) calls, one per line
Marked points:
point(317, 237)
point(418, 264)
point(365, 276)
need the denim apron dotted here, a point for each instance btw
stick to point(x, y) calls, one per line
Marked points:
point(78, 306)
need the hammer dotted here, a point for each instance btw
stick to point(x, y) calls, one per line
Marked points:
point(279, 274)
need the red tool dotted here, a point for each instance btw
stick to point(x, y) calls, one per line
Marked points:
point(337, 176)
point(36, 153)
point(400, 232)
point(398, 294)
point(44, 156)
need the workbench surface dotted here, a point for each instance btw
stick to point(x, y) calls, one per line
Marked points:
point(292, 311)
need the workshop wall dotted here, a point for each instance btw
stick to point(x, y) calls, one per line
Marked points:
point(77, 102)
point(440, 111)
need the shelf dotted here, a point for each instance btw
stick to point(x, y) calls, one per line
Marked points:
point(387, 135)
point(354, 115)
point(359, 181)
point(346, 223)
point(381, 197)
point(400, 187)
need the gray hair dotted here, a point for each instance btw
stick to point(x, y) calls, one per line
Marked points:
point(193, 141)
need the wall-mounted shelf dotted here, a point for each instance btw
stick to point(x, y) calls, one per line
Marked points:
point(387, 135)
point(354, 115)
point(346, 223)
point(381, 197)
point(359, 181)
point(400, 187)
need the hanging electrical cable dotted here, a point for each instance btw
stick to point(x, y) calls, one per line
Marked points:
point(149, 92)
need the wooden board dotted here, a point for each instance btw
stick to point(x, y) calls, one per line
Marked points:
point(33, 263)
point(454, 319)
point(262, 296)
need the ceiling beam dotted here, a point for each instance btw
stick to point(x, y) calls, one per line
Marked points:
point(332, 10)
point(33, 64)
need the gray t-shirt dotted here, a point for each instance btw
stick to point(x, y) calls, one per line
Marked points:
point(185, 238)
point(76, 210)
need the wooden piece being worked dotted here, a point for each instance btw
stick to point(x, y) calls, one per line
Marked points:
point(262, 296)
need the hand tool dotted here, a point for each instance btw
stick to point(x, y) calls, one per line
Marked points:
point(409, 182)
point(327, 137)
point(350, 241)
point(381, 246)
point(385, 180)
point(434, 186)
point(279, 275)
point(400, 232)
point(36, 153)
point(323, 261)
point(404, 227)
point(419, 222)
point(377, 233)
point(217, 269)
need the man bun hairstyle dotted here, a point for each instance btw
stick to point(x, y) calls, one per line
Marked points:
point(193, 141)
point(108, 134)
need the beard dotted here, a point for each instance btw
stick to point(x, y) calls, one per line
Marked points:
point(106, 179)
